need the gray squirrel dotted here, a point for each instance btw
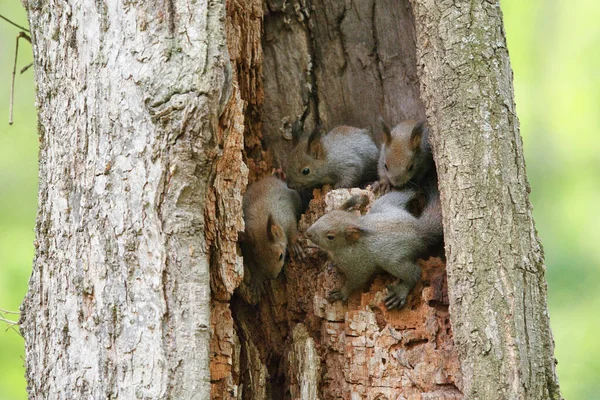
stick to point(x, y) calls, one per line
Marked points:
point(388, 238)
point(271, 213)
point(345, 157)
point(405, 157)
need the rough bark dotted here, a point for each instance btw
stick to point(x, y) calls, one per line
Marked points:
point(149, 115)
point(495, 260)
point(129, 97)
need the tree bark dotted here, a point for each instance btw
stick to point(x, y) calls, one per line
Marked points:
point(152, 119)
point(129, 99)
point(495, 261)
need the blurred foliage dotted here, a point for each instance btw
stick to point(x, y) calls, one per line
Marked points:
point(554, 48)
point(554, 52)
point(18, 194)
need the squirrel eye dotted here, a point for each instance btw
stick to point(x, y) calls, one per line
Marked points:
point(410, 167)
point(386, 167)
point(305, 171)
point(280, 256)
point(330, 237)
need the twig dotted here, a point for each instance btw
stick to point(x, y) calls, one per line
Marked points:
point(10, 324)
point(14, 73)
point(2, 310)
point(25, 68)
point(12, 23)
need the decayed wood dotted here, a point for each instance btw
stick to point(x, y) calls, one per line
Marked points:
point(338, 64)
point(223, 210)
point(495, 261)
point(308, 345)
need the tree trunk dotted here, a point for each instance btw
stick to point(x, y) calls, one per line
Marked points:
point(149, 115)
point(131, 159)
point(495, 261)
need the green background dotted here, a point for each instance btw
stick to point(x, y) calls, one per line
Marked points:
point(555, 52)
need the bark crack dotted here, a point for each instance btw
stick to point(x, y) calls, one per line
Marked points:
point(314, 89)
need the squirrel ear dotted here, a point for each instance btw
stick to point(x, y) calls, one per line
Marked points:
point(387, 134)
point(274, 231)
point(417, 134)
point(352, 233)
point(296, 132)
point(314, 146)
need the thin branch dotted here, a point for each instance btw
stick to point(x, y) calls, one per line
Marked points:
point(2, 310)
point(14, 73)
point(25, 68)
point(10, 324)
point(12, 23)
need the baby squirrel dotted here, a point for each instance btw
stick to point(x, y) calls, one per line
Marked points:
point(271, 211)
point(387, 239)
point(345, 157)
point(405, 157)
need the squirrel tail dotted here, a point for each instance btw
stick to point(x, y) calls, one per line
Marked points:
point(355, 201)
point(430, 222)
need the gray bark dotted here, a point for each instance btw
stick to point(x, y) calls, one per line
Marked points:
point(495, 261)
point(129, 97)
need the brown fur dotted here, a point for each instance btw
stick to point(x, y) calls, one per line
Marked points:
point(405, 155)
point(271, 212)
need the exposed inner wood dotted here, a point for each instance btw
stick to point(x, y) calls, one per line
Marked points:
point(330, 63)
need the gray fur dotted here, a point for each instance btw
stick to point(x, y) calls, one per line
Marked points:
point(397, 199)
point(349, 158)
point(269, 196)
point(388, 239)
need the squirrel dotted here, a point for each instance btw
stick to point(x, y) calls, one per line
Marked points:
point(345, 157)
point(271, 212)
point(405, 157)
point(388, 238)
point(411, 200)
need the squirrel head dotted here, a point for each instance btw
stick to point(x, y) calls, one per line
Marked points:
point(404, 151)
point(268, 245)
point(306, 165)
point(334, 230)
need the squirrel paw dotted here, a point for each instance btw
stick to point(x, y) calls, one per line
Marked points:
point(395, 298)
point(297, 251)
point(381, 187)
point(335, 295)
point(329, 265)
point(258, 290)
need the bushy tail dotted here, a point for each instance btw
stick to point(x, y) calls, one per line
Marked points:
point(402, 199)
point(430, 222)
point(355, 201)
